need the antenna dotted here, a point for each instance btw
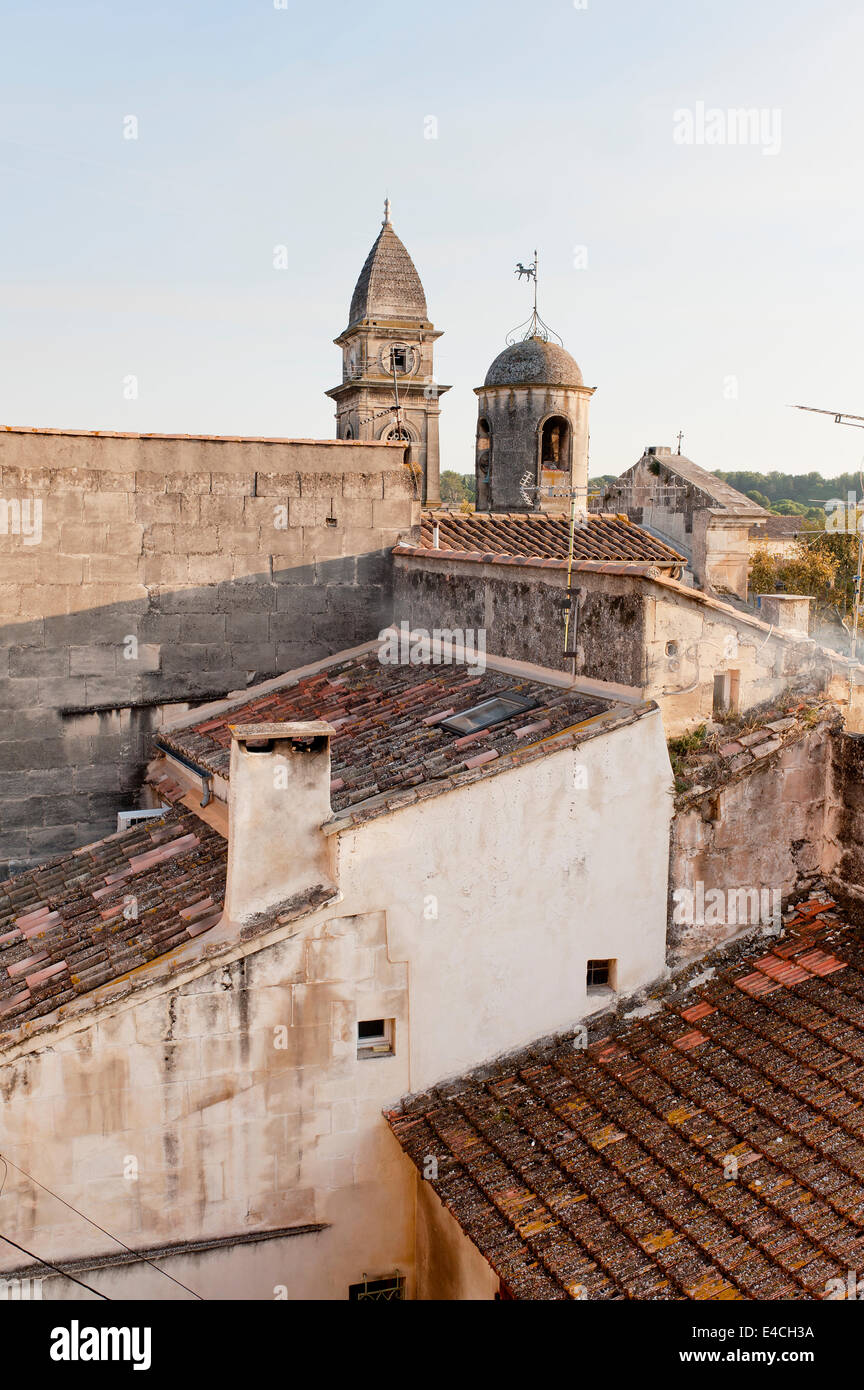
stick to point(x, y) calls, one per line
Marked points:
point(841, 417)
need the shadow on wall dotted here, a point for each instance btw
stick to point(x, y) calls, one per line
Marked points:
point(82, 693)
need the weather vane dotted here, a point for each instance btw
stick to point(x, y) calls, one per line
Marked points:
point(535, 326)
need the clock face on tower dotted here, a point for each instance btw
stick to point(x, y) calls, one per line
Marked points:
point(399, 358)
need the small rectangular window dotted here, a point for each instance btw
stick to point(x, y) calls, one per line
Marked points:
point(375, 1037)
point(398, 359)
point(601, 974)
point(488, 712)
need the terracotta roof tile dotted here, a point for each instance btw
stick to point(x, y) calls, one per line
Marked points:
point(542, 539)
point(64, 928)
point(391, 736)
point(608, 1173)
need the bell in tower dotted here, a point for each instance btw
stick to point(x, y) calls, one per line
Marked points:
point(388, 388)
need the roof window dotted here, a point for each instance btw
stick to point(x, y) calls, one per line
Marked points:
point(488, 712)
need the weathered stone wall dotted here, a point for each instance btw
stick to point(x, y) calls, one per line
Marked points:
point(688, 642)
point(846, 822)
point(168, 569)
point(520, 611)
point(767, 829)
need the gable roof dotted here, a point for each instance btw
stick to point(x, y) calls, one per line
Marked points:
point(721, 493)
point(390, 735)
point(495, 536)
point(777, 527)
point(605, 1173)
point(63, 926)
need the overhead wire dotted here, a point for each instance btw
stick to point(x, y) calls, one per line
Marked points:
point(85, 1217)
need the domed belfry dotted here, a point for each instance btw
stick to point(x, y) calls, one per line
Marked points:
point(388, 388)
point(532, 428)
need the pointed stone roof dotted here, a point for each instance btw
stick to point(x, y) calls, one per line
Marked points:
point(389, 286)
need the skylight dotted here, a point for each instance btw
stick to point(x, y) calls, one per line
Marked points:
point(488, 712)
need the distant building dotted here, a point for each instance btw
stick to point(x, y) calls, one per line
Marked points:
point(707, 519)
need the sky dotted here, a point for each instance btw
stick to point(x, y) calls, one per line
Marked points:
point(703, 283)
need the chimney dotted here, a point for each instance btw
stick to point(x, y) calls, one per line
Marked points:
point(790, 613)
point(278, 800)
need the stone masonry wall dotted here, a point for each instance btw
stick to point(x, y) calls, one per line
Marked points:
point(167, 570)
point(767, 829)
point(520, 612)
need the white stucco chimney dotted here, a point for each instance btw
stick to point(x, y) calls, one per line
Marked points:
point(278, 800)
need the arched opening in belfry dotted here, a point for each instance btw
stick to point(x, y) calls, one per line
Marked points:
point(555, 443)
point(349, 433)
point(484, 445)
point(483, 460)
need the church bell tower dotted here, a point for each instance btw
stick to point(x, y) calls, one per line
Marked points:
point(388, 388)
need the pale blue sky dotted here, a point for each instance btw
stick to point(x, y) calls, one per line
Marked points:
point(261, 127)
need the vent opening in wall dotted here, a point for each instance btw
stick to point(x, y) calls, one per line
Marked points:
point(375, 1037)
point(600, 975)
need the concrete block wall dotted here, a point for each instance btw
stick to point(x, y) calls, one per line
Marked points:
point(167, 569)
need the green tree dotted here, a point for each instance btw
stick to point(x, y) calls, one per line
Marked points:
point(457, 487)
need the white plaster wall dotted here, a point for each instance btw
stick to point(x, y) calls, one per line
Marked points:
point(530, 876)
point(229, 1132)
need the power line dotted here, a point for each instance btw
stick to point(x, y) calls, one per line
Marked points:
point(56, 1268)
point(84, 1217)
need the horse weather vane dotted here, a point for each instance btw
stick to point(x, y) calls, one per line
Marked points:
point(535, 326)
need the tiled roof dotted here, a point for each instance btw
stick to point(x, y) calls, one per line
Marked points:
point(535, 536)
point(388, 722)
point(389, 286)
point(90, 917)
point(609, 1173)
point(778, 527)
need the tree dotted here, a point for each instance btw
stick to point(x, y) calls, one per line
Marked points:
point(457, 487)
point(759, 498)
point(786, 507)
point(824, 566)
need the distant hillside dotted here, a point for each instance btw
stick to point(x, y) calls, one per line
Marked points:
point(791, 493)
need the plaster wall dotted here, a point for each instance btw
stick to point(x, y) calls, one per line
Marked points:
point(214, 1102)
point(449, 1267)
point(499, 898)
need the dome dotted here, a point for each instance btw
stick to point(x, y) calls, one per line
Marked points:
point(389, 286)
point(534, 362)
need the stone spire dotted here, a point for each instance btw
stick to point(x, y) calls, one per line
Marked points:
point(388, 389)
